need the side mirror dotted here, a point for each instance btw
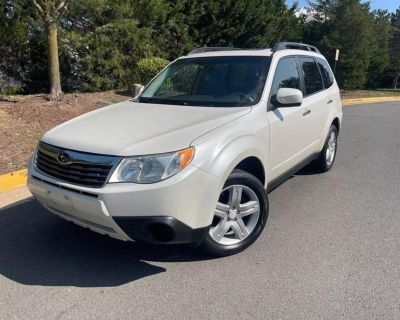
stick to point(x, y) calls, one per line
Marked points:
point(137, 89)
point(289, 97)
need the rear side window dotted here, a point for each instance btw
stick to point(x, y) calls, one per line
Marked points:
point(312, 76)
point(326, 71)
point(286, 76)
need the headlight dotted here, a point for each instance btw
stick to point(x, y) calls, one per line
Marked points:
point(153, 168)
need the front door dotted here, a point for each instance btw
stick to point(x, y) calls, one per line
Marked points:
point(289, 140)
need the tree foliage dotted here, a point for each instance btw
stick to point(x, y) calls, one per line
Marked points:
point(394, 48)
point(147, 68)
point(379, 58)
point(100, 42)
point(16, 50)
point(247, 24)
point(362, 36)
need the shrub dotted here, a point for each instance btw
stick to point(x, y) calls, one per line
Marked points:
point(147, 68)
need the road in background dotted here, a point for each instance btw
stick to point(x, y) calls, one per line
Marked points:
point(331, 250)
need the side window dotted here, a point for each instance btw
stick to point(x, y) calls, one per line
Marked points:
point(312, 76)
point(326, 71)
point(286, 76)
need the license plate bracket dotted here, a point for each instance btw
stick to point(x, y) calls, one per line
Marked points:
point(59, 197)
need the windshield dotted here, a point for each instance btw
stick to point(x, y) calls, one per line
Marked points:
point(210, 81)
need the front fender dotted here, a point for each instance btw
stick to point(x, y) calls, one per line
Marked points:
point(218, 156)
point(220, 159)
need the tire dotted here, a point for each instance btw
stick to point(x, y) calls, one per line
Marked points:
point(327, 156)
point(240, 215)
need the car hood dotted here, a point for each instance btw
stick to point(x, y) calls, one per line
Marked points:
point(131, 128)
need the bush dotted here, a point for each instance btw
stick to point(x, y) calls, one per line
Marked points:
point(10, 91)
point(147, 68)
point(8, 88)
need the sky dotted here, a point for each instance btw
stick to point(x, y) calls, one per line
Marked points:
point(390, 5)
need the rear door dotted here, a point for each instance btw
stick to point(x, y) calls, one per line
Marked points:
point(316, 98)
point(331, 98)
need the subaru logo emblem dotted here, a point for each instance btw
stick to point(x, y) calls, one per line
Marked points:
point(64, 158)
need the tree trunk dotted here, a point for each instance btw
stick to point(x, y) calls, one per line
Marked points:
point(54, 66)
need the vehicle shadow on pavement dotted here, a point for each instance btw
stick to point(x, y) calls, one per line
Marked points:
point(38, 248)
point(308, 170)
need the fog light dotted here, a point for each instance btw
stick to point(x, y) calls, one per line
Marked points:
point(160, 232)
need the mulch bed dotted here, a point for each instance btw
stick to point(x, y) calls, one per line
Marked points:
point(24, 119)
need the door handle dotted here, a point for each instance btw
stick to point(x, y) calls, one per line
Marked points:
point(329, 102)
point(306, 112)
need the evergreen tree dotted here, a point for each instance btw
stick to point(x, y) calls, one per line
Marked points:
point(345, 25)
point(247, 24)
point(379, 60)
point(108, 38)
point(395, 48)
point(14, 44)
point(100, 42)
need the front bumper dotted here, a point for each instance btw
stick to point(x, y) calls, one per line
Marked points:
point(176, 210)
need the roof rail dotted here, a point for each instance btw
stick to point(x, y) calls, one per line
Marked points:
point(294, 45)
point(211, 49)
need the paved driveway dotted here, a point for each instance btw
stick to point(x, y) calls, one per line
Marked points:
point(331, 250)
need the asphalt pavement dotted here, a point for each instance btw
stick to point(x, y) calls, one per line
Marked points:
point(330, 250)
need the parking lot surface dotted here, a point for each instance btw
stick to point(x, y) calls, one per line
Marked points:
point(330, 250)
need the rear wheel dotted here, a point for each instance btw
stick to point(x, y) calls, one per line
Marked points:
point(239, 217)
point(327, 157)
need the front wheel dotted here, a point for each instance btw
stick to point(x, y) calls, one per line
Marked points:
point(239, 217)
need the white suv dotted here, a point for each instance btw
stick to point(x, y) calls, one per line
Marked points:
point(191, 158)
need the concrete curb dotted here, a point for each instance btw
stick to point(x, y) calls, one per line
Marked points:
point(347, 102)
point(13, 180)
point(18, 178)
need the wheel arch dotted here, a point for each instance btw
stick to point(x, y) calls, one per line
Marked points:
point(254, 166)
point(336, 123)
point(247, 152)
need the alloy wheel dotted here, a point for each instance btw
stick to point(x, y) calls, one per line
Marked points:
point(236, 215)
point(331, 148)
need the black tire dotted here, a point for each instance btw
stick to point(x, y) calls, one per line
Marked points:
point(239, 177)
point(321, 163)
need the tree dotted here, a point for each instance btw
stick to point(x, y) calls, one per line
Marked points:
point(14, 48)
point(97, 44)
point(345, 25)
point(379, 59)
point(395, 47)
point(247, 24)
point(51, 12)
point(103, 40)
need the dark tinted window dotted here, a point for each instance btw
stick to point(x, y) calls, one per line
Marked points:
point(312, 77)
point(286, 76)
point(326, 71)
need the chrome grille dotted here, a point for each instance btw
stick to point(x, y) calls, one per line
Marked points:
point(80, 168)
